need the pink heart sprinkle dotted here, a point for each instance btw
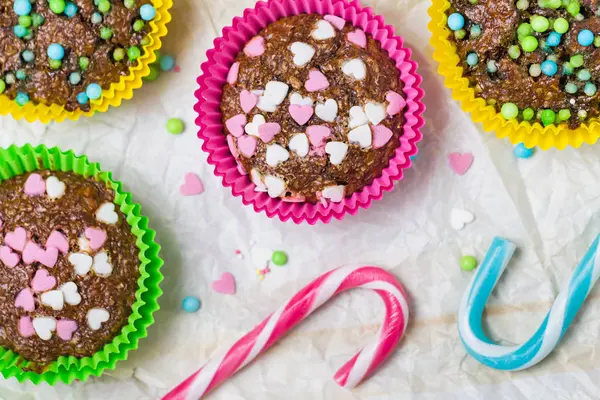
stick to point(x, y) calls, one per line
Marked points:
point(235, 125)
point(96, 237)
point(192, 185)
point(317, 134)
point(248, 100)
point(225, 285)
point(232, 147)
point(396, 101)
point(42, 281)
point(335, 21)
point(460, 163)
point(48, 257)
point(65, 328)
point(16, 239)
point(381, 135)
point(232, 75)
point(255, 47)
point(268, 131)
point(301, 113)
point(247, 145)
point(9, 258)
point(31, 251)
point(58, 241)
point(358, 37)
point(316, 81)
point(35, 185)
point(25, 300)
point(26, 327)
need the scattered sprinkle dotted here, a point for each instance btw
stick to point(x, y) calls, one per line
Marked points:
point(190, 304)
point(192, 185)
point(460, 162)
point(468, 263)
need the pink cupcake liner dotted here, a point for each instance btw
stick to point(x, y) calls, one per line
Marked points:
point(214, 77)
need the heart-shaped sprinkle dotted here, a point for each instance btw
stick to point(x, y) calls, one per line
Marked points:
point(335, 21)
point(31, 252)
point(460, 163)
point(255, 47)
point(192, 186)
point(70, 293)
point(257, 178)
point(299, 144)
point(81, 262)
point(59, 241)
point(247, 145)
point(276, 154)
point(275, 186)
point(337, 152)
point(102, 266)
point(96, 317)
point(296, 98)
point(301, 114)
point(42, 281)
point(65, 328)
point(334, 193)
point(26, 327)
point(375, 112)
point(355, 68)
point(381, 136)
point(47, 257)
point(106, 213)
point(268, 131)
point(16, 239)
point(396, 103)
point(25, 300)
point(302, 52)
point(55, 188)
point(361, 135)
point(232, 147)
point(274, 94)
point(251, 128)
point(225, 285)
point(327, 111)
point(323, 31)
point(459, 218)
point(316, 81)
point(44, 326)
point(235, 125)
point(317, 134)
point(248, 100)
point(34, 185)
point(358, 37)
point(53, 299)
point(97, 236)
point(9, 258)
point(357, 117)
point(232, 75)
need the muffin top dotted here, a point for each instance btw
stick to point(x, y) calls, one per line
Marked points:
point(68, 266)
point(532, 60)
point(66, 53)
point(312, 109)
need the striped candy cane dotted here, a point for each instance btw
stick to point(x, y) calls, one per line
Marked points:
point(544, 340)
point(300, 306)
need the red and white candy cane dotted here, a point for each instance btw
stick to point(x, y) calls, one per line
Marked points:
point(300, 306)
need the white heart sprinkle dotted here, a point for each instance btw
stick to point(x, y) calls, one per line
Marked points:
point(276, 154)
point(106, 213)
point(95, 318)
point(44, 326)
point(459, 218)
point(54, 187)
point(299, 144)
point(257, 179)
point(82, 262)
point(337, 152)
point(357, 117)
point(275, 93)
point(355, 68)
point(296, 98)
point(323, 31)
point(361, 135)
point(327, 111)
point(302, 52)
point(333, 193)
point(261, 256)
point(101, 266)
point(275, 186)
point(54, 299)
point(251, 128)
point(70, 293)
point(375, 112)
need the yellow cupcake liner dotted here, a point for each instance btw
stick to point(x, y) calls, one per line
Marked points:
point(113, 96)
point(530, 134)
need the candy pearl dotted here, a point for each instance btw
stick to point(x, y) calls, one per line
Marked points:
point(145, 41)
point(147, 12)
point(96, 18)
point(549, 68)
point(509, 111)
point(175, 126)
point(468, 263)
point(597, 41)
point(10, 78)
point(56, 51)
point(514, 52)
point(119, 54)
point(524, 30)
point(84, 63)
point(582, 114)
point(104, 6)
point(138, 25)
point(190, 304)
point(21, 74)
point(584, 75)
point(522, 5)
point(22, 7)
point(55, 64)
point(74, 78)
point(83, 98)
point(133, 53)
point(535, 70)
point(552, 57)
point(25, 21)
point(279, 258)
point(521, 151)
point(590, 89)
point(456, 21)
point(472, 59)
point(576, 60)
point(573, 8)
point(57, 6)
point(93, 91)
point(564, 114)
point(492, 67)
point(37, 19)
point(21, 99)
point(19, 31)
point(553, 39)
point(548, 117)
point(579, 17)
point(28, 56)
point(539, 23)
point(475, 31)
point(71, 10)
point(2, 86)
point(460, 34)
point(129, 3)
point(571, 88)
point(561, 25)
point(528, 114)
point(585, 37)
point(106, 32)
point(529, 44)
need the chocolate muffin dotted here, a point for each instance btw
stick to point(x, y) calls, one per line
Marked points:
point(312, 109)
point(532, 60)
point(68, 266)
point(66, 53)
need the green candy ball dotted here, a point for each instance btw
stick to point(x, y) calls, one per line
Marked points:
point(524, 30)
point(279, 258)
point(175, 126)
point(509, 111)
point(138, 25)
point(539, 23)
point(84, 63)
point(468, 263)
point(37, 19)
point(529, 44)
point(154, 73)
point(548, 117)
point(576, 60)
point(134, 53)
point(25, 21)
point(564, 115)
point(57, 6)
point(119, 54)
point(129, 3)
point(104, 6)
point(528, 114)
point(106, 32)
point(514, 52)
point(55, 64)
point(561, 25)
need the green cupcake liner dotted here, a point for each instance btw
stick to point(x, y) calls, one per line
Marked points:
point(19, 160)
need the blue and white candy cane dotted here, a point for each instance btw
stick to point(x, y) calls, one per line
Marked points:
point(544, 340)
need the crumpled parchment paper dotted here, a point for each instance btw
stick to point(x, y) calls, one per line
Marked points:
point(546, 204)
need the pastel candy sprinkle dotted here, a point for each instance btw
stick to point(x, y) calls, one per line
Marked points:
point(456, 21)
point(56, 51)
point(93, 91)
point(190, 304)
point(585, 37)
point(147, 12)
point(521, 151)
point(255, 47)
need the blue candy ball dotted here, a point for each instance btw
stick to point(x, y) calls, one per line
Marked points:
point(521, 151)
point(472, 59)
point(28, 56)
point(585, 37)
point(549, 68)
point(22, 99)
point(82, 98)
point(20, 31)
point(22, 7)
point(74, 78)
point(56, 51)
point(167, 63)
point(456, 21)
point(71, 9)
point(147, 12)
point(553, 39)
point(93, 91)
point(190, 304)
